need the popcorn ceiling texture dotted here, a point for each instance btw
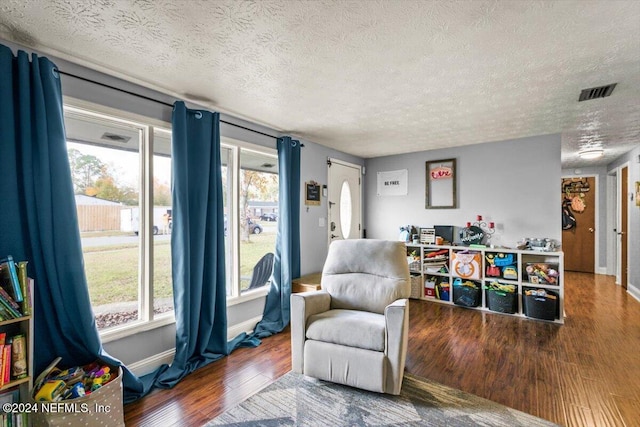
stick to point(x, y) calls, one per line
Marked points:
point(370, 77)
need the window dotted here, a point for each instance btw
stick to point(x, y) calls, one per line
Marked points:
point(250, 180)
point(121, 171)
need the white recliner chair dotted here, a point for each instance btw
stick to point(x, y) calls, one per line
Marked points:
point(354, 331)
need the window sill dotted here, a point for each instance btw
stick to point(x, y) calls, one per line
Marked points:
point(118, 332)
point(248, 296)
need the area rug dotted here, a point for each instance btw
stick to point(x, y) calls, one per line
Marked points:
point(296, 400)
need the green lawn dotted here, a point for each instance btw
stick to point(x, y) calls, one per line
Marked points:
point(112, 271)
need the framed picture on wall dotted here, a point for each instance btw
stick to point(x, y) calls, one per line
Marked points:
point(441, 184)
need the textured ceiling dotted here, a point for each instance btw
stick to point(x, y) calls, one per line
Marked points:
point(369, 77)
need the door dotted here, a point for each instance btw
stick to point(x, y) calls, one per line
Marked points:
point(623, 233)
point(578, 241)
point(345, 200)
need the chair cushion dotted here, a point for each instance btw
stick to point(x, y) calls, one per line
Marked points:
point(366, 274)
point(360, 329)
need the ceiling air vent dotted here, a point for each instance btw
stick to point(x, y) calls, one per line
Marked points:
point(596, 92)
point(115, 137)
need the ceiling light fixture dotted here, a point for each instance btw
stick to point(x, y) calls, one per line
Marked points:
point(589, 153)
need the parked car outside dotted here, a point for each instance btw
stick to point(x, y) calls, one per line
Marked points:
point(254, 227)
point(269, 217)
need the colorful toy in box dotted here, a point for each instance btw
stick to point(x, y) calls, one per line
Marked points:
point(492, 269)
point(430, 287)
point(72, 383)
point(510, 272)
point(50, 391)
point(543, 273)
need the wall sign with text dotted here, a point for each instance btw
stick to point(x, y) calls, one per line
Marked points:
point(441, 184)
point(393, 183)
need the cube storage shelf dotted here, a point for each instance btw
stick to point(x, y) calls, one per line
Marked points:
point(459, 275)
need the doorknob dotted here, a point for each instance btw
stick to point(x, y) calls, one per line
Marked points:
point(333, 236)
point(591, 229)
point(621, 233)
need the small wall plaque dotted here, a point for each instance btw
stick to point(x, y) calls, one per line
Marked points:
point(312, 193)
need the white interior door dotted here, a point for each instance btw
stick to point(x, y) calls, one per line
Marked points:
point(345, 200)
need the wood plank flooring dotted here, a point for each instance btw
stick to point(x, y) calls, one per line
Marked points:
point(584, 373)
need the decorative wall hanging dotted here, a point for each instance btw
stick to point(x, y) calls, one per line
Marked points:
point(393, 183)
point(441, 184)
point(574, 189)
point(312, 193)
point(478, 233)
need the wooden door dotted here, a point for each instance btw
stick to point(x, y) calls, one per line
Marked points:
point(624, 235)
point(578, 242)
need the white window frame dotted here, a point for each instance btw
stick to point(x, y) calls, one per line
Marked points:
point(233, 228)
point(145, 296)
point(147, 319)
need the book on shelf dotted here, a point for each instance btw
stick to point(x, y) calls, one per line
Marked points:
point(9, 278)
point(6, 363)
point(9, 305)
point(25, 282)
point(3, 338)
point(12, 419)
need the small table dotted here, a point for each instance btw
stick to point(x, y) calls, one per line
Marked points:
point(309, 282)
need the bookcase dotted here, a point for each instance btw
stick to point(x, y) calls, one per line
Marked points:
point(523, 283)
point(12, 327)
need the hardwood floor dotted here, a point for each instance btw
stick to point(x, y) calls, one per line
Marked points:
point(583, 373)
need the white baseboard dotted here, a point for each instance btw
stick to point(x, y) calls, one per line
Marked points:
point(634, 292)
point(246, 326)
point(150, 364)
point(601, 270)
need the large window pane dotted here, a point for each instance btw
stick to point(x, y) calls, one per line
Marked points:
point(104, 158)
point(163, 219)
point(258, 213)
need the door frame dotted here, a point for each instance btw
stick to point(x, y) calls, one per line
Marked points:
point(612, 222)
point(331, 160)
point(596, 218)
point(617, 173)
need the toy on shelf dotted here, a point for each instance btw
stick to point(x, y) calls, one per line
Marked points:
point(492, 269)
point(543, 273)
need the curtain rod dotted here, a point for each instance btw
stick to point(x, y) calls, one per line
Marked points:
point(158, 101)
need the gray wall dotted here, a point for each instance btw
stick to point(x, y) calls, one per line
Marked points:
point(313, 166)
point(632, 158)
point(600, 173)
point(513, 183)
point(314, 238)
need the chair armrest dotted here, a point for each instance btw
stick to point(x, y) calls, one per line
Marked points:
point(303, 305)
point(396, 317)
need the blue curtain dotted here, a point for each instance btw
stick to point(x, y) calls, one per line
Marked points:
point(197, 245)
point(286, 265)
point(38, 215)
